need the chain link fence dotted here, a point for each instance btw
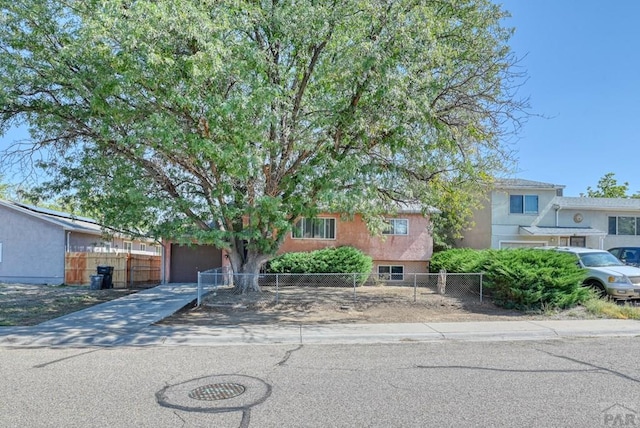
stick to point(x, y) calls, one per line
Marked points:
point(347, 288)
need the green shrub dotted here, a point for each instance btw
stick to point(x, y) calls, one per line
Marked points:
point(291, 263)
point(328, 260)
point(520, 278)
point(535, 279)
point(459, 260)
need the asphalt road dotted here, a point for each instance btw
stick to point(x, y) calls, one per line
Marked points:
point(559, 383)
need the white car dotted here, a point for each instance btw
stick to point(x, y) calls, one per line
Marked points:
point(606, 273)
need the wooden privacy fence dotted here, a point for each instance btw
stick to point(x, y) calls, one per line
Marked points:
point(128, 269)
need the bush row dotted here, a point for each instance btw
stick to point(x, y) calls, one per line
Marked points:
point(328, 260)
point(520, 278)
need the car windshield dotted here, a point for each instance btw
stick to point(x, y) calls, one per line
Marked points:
point(599, 259)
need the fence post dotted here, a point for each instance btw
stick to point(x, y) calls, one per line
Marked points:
point(199, 289)
point(442, 281)
point(354, 287)
point(277, 291)
point(480, 287)
point(415, 287)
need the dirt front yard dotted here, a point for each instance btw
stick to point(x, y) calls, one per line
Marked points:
point(24, 305)
point(376, 304)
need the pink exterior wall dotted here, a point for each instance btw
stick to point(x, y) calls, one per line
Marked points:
point(412, 251)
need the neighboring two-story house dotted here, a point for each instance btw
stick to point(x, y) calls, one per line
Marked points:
point(524, 213)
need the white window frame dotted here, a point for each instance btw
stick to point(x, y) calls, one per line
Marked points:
point(392, 229)
point(389, 276)
point(524, 204)
point(127, 246)
point(143, 247)
point(301, 226)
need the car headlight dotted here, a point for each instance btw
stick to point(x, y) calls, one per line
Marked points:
point(622, 279)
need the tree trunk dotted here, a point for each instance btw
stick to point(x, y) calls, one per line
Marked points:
point(246, 271)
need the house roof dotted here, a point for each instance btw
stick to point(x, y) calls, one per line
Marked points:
point(560, 231)
point(608, 204)
point(64, 220)
point(519, 183)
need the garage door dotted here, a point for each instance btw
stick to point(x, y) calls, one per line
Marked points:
point(187, 261)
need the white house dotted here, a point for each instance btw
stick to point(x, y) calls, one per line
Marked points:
point(524, 213)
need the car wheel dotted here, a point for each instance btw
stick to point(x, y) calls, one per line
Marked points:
point(597, 287)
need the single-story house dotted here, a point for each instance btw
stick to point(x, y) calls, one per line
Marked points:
point(34, 242)
point(525, 213)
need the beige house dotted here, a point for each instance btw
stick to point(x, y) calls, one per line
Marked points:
point(524, 213)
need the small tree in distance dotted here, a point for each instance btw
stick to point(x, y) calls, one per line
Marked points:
point(608, 187)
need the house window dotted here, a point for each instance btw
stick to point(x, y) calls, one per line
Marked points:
point(623, 225)
point(397, 226)
point(578, 241)
point(143, 247)
point(315, 228)
point(158, 250)
point(523, 204)
point(393, 273)
point(127, 246)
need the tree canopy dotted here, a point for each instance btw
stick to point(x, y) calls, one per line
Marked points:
point(224, 121)
point(608, 187)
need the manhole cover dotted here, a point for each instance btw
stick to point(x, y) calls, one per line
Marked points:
point(217, 391)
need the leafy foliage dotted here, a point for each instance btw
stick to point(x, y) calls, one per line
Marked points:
point(224, 121)
point(459, 260)
point(327, 260)
point(521, 278)
point(608, 187)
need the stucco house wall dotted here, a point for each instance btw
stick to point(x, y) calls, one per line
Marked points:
point(412, 251)
point(476, 235)
point(32, 249)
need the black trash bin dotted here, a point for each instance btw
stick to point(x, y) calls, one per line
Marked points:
point(107, 276)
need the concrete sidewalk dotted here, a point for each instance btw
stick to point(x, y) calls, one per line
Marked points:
point(128, 321)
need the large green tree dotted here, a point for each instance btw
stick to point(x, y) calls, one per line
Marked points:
point(223, 121)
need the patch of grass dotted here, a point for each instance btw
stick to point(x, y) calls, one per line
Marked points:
point(609, 309)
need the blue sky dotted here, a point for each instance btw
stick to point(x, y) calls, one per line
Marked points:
point(582, 60)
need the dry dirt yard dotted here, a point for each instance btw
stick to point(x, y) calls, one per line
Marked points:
point(374, 304)
point(25, 305)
